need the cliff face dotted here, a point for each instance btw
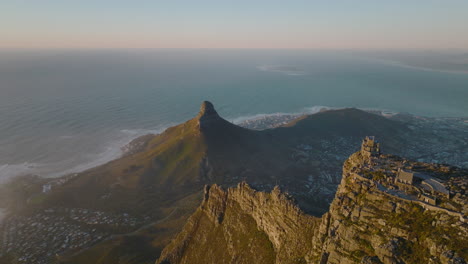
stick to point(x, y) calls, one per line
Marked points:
point(368, 223)
point(241, 225)
point(371, 220)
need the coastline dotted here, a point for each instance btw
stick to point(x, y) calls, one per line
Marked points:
point(117, 148)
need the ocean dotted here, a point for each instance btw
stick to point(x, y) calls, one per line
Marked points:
point(63, 111)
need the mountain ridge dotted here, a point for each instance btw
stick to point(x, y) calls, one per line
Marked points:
point(366, 223)
point(268, 211)
point(167, 172)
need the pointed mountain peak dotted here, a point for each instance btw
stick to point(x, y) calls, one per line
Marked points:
point(208, 117)
point(207, 109)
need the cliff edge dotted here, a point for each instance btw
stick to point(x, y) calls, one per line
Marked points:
point(241, 225)
point(380, 214)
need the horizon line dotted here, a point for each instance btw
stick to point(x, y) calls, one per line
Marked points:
point(228, 48)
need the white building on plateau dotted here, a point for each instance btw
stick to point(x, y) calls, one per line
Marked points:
point(46, 187)
point(404, 177)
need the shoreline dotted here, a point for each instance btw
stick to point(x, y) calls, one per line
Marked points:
point(118, 148)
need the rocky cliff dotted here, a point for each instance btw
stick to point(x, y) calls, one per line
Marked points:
point(241, 225)
point(371, 220)
point(370, 223)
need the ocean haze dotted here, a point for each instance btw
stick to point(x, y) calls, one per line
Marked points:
point(64, 110)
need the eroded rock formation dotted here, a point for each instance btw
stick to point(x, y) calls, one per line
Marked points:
point(368, 222)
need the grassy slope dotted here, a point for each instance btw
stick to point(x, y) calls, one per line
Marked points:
point(238, 230)
point(170, 160)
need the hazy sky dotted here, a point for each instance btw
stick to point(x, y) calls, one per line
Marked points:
point(333, 24)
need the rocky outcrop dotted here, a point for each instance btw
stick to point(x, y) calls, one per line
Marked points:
point(365, 224)
point(368, 225)
point(207, 115)
point(242, 225)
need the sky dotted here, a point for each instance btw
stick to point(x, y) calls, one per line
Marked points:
point(255, 24)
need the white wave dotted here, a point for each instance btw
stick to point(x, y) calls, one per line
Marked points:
point(8, 171)
point(401, 64)
point(111, 151)
point(284, 69)
point(318, 108)
point(241, 119)
point(142, 132)
point(303, 111)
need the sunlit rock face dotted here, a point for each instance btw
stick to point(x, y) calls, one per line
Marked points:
point(242, 225)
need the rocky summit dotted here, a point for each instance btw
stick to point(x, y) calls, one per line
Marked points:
point(375, 217)
point(207, 115)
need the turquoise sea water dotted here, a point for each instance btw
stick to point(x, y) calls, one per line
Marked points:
point(64, 111)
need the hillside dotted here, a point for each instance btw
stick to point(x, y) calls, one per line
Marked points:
point(208, 149)
point(373, 219)
point(142, 199)
point(205, 149)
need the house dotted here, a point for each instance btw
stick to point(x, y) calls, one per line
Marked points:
point(428, 199)
point(434, 187)
point(404, 177)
